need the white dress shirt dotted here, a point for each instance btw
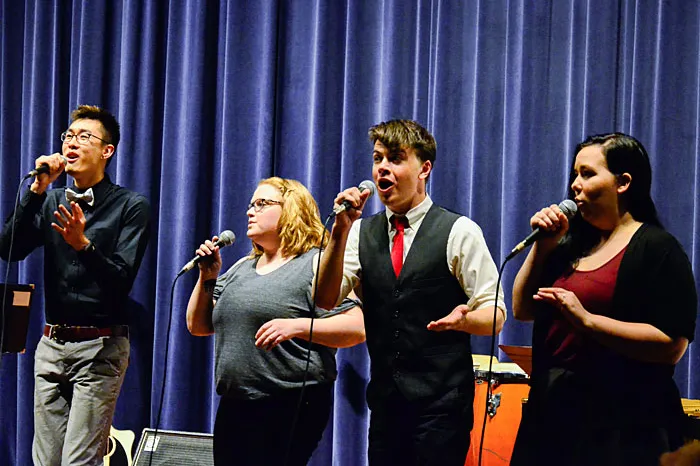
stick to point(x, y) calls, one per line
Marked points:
point(468, 258)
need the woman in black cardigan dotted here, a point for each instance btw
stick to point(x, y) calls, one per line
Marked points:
point(613, 300)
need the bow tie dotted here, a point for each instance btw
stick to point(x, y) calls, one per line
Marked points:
point(87, 197)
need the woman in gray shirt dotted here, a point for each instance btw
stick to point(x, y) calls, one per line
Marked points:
point(260, 312)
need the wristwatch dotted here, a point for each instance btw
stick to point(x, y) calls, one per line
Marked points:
point(89, 248)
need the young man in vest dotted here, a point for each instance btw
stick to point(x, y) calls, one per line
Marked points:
point(428, 282)
point(94, 236)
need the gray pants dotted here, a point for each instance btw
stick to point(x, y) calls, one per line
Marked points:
point(75, 393)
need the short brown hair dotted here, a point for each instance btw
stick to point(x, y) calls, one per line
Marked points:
point(395, 134)
point(300, 227)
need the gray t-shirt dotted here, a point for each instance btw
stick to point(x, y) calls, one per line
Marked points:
point(246, 300)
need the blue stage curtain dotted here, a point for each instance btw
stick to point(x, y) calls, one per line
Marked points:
point(212, 96)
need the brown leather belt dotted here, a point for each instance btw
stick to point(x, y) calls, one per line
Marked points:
point(64, 333)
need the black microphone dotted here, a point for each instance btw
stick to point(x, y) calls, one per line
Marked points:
point(44, 169)
point(568, 208)
point(226, 238)
point(364, 186)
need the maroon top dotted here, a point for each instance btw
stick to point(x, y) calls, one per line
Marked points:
point(568, 347)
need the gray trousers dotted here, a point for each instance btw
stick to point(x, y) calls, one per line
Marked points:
point(76, 386)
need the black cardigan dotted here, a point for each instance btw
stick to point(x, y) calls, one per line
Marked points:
point(655, 285)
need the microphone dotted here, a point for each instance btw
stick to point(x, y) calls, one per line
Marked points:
point(567, 206)
point(44, 169)
point(226, 238)
point(364, 186)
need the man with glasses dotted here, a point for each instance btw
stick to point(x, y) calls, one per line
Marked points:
point(94, 236)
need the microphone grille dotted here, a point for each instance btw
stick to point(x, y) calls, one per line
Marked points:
point(226, 238)
point(368, 185)
point(568, 207)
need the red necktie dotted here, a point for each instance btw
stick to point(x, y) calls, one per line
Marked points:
point(399, 224)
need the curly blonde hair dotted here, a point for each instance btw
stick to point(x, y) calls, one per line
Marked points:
point(300, 227)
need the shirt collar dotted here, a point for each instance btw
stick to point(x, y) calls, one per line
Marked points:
point(416, 214)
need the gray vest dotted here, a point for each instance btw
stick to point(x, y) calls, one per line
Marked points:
point(405, 355)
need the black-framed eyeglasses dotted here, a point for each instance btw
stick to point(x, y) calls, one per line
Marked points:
point(82, 138)
point(260, 204)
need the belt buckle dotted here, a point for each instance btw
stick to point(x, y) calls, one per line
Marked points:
point(52, 333)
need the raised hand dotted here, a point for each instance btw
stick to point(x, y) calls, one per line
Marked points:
point(71, 225)
point(210, 265)
point(56, 163)
point(357, 200)
point(553, 221)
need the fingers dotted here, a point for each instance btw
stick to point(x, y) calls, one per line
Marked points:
point(450, 321)
point(55, 163)
point(364, 195)
point(210, 259)
point(545, 294)
point(263, 335)
point(267, 337)
point(67, 218)
point(439, 325)
point(553, 289)
point(261, 331)
point(65, 211)
point(208, 248)
point(563, 220)
point(547, 218)
point(551, 220)
point(60, 162)
point(58, 229)
point(62, 218)
point(554, 296)
point(77, 211)
point(354, 197)
point(274, 342)
point(71, 226)
point(544, 297)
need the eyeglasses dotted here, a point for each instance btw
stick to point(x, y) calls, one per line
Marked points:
point(82, 138)
point(260, 204)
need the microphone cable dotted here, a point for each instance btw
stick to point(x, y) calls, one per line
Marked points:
point(165, 372)
point(3, 313)
point(489, 375)
point(568, 208)
point(314, 286)
point(228, 238)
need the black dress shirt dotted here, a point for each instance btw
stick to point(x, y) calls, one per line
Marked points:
point(84, 287)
